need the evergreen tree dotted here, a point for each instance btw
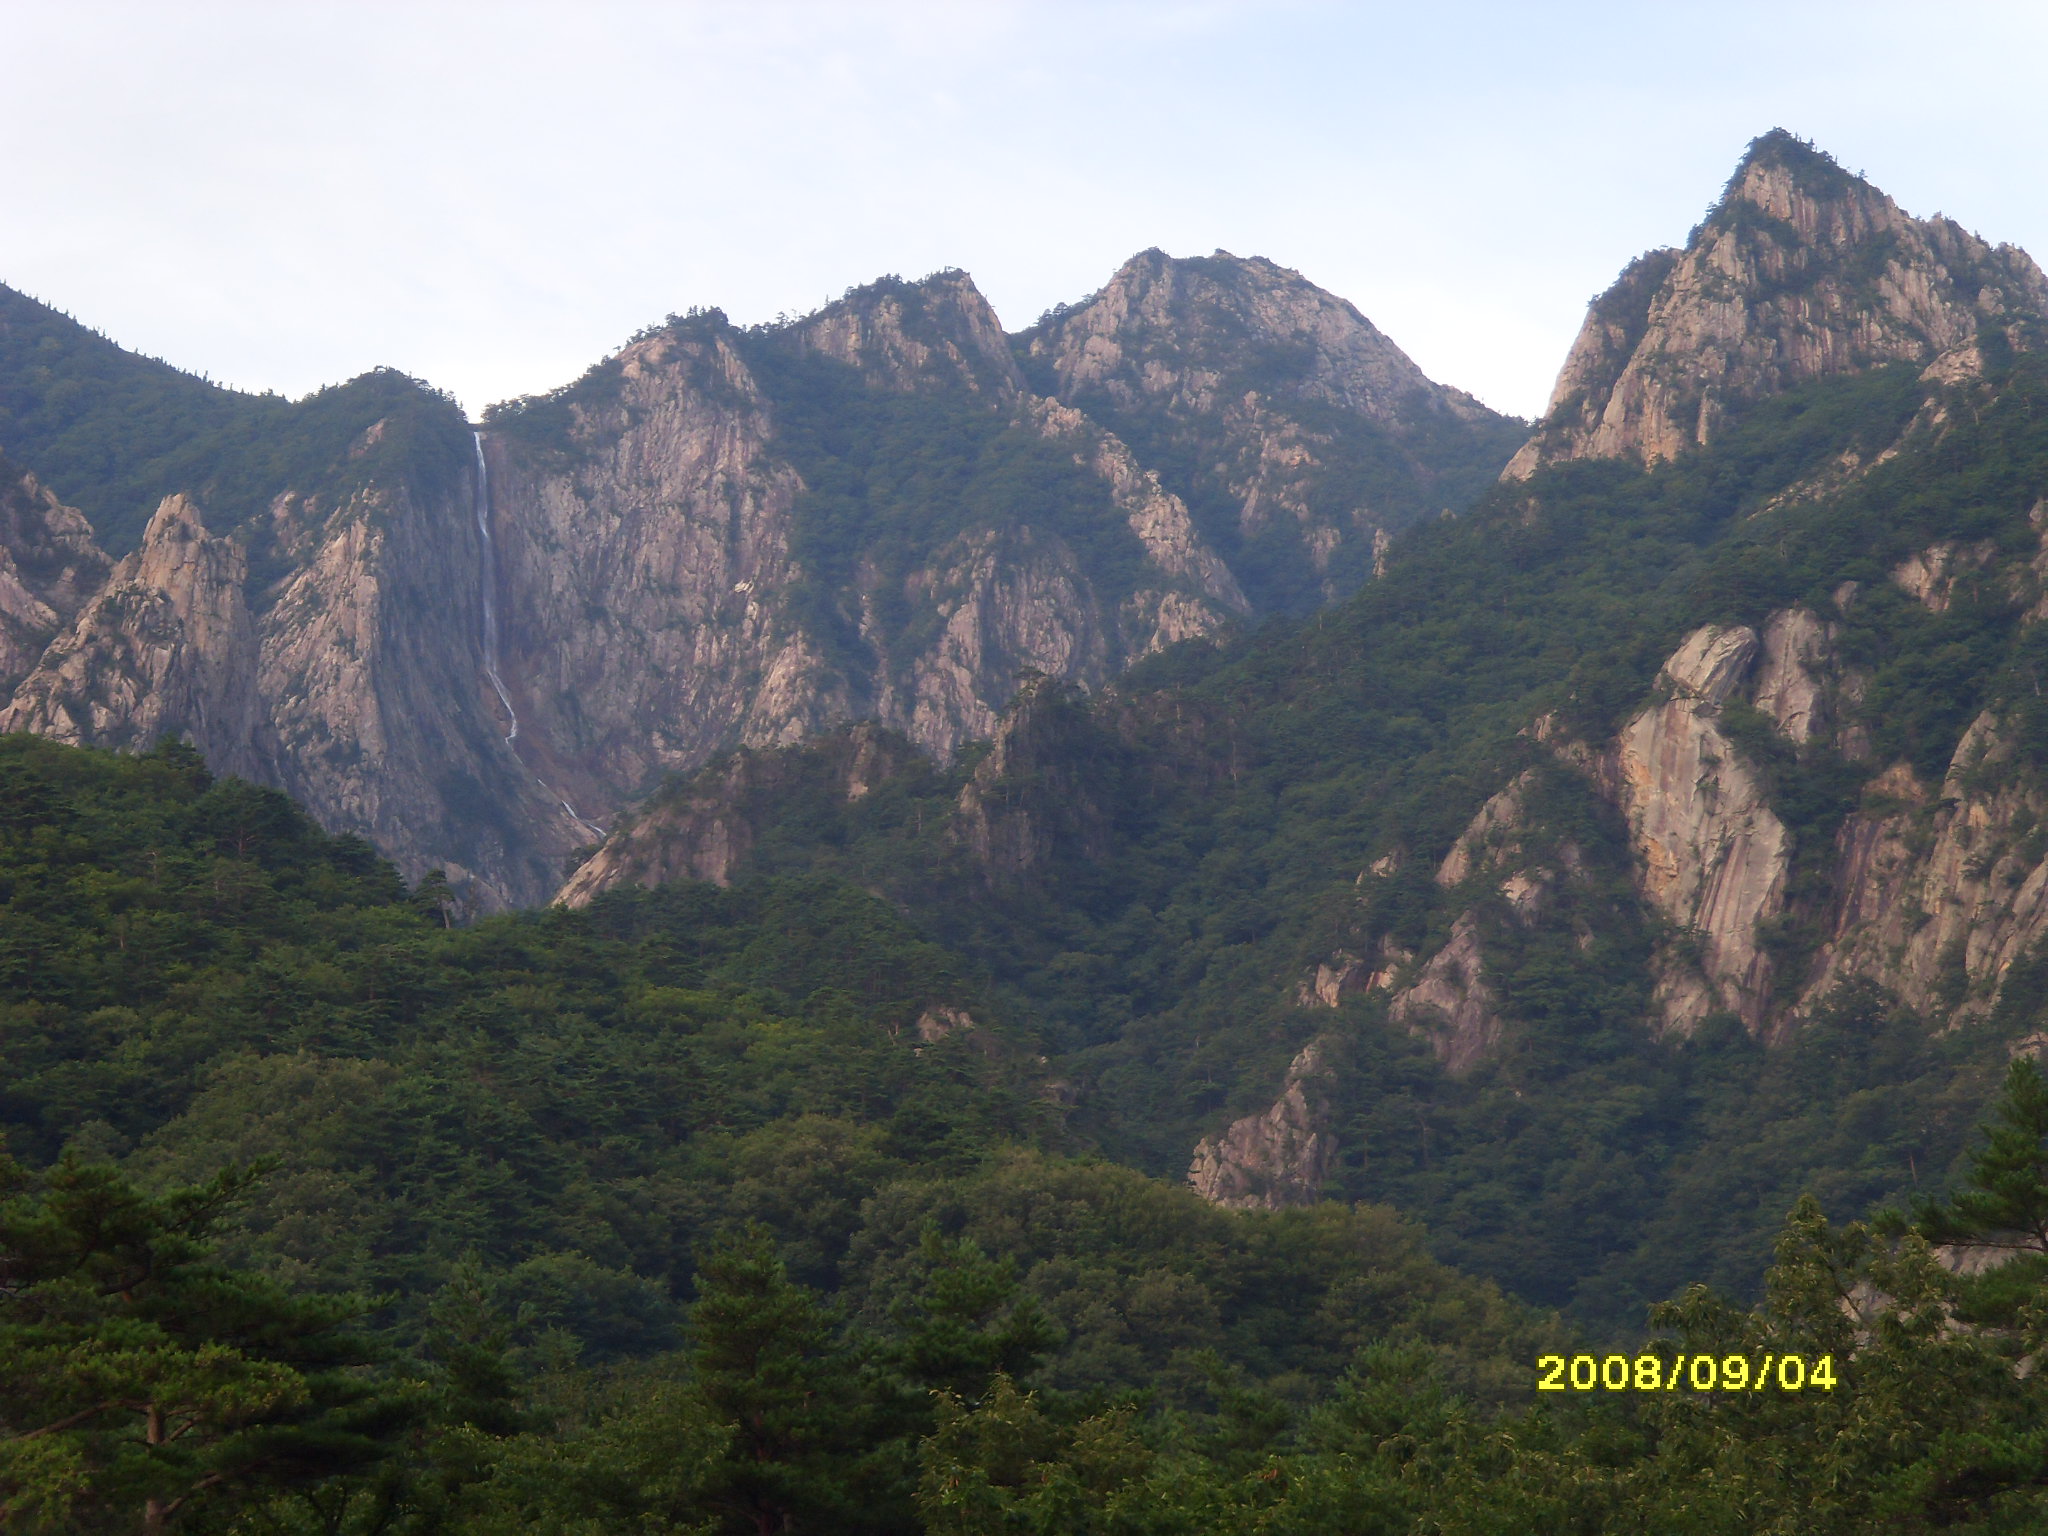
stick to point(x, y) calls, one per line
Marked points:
point(2004, 1203)
point(771, 1366)
point(141, 1381)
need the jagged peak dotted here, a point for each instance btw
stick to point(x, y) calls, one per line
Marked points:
point(909, 332)
point(1178, 326)
point(1197, 278)
point(1801, 270)
point(177, 515)
point(1781, 156)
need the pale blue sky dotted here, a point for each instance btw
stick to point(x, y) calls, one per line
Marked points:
point(492, 196)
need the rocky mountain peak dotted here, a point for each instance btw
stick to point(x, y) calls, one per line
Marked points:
point(1801, 271)
point(1178, 328)
point(939, 330)
point(1295, 431)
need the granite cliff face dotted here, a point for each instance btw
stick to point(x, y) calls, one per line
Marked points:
point(686, 564)
point(1278, 1157)
point(1711, 855)
point(164, 647)
point(719, 538)
point(1802, 271)
point(1299, 434)
point(1932, 892)
point(704, 827)
point(353, 680)
point(49, 567)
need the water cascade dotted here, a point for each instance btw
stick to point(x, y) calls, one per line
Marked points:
point(490, 579)
point(490, 595)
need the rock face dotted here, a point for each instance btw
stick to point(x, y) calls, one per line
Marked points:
point(1711, 854)
point(674, 584)
point(1261, 400)
point(718, 539)
point(1942, 888)
point(1931, 892)
point(164, 647)
point(1802, 271)
point(1030, 800)
point(1276, 1158)
point(49, 567)
point(351, 678)
point(703, 828)
point(1449, 1003)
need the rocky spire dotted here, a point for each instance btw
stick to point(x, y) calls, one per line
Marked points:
point(1802, 270)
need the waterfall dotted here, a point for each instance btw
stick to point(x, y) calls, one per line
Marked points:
point(490, 595)
point(490, 579)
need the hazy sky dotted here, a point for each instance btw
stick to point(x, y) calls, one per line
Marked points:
point(491, 196)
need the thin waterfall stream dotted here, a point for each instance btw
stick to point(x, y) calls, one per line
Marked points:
point(490, 635)
point(490, 582)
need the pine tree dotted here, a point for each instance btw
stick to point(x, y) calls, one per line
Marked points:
point(770, 1365)
point(2004, 1203)
point(141, 1380)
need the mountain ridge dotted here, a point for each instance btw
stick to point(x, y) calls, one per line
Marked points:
point(718, 536)
point(1800, 271)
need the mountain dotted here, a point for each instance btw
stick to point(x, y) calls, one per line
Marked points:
point(1802, 271)
point(1657, 840)
point(1299, 436)
point(478, 649)
point(892, 1132)
point(307, 615)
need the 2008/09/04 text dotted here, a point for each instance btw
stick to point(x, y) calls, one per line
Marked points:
point(1699, 1373)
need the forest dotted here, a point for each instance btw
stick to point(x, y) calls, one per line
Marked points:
point(321, 1214)
point(850, 1192)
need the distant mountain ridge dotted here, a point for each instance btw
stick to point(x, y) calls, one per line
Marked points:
point(1660, 838)
point(717, 537)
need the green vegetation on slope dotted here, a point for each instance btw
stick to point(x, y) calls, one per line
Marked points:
point(513, 1153)
point(1230, 799)
point(113, 433)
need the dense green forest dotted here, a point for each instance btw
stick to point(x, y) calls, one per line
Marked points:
point(1207, 821)
point(852, 1196)
point(322, 1215)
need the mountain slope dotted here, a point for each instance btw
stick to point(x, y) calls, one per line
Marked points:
point(1800, 272)
point(477, 654)
point(310, 619)
point(1598, 845)
point(1297, 433)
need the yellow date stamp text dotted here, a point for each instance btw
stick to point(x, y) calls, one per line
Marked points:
point(1696, 1373)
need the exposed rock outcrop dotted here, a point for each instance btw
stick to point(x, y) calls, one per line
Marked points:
point(352, 681)
point(1449, 1003)
point(1942, 889)
point(910, 335)
point(165, 647)
point(49, 567)
point(1793, 666)
point(703, 827)
point(1029, 802)
point(656, 610)
point(1263, 395)
point(1802, 271)
point(1711, 854)
point(1278, 1157)
point(720, 538)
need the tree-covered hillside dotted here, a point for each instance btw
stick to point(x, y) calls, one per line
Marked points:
point(1229, 818)
point(114, 433)
point(733, 1211)
point(560, 1114)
